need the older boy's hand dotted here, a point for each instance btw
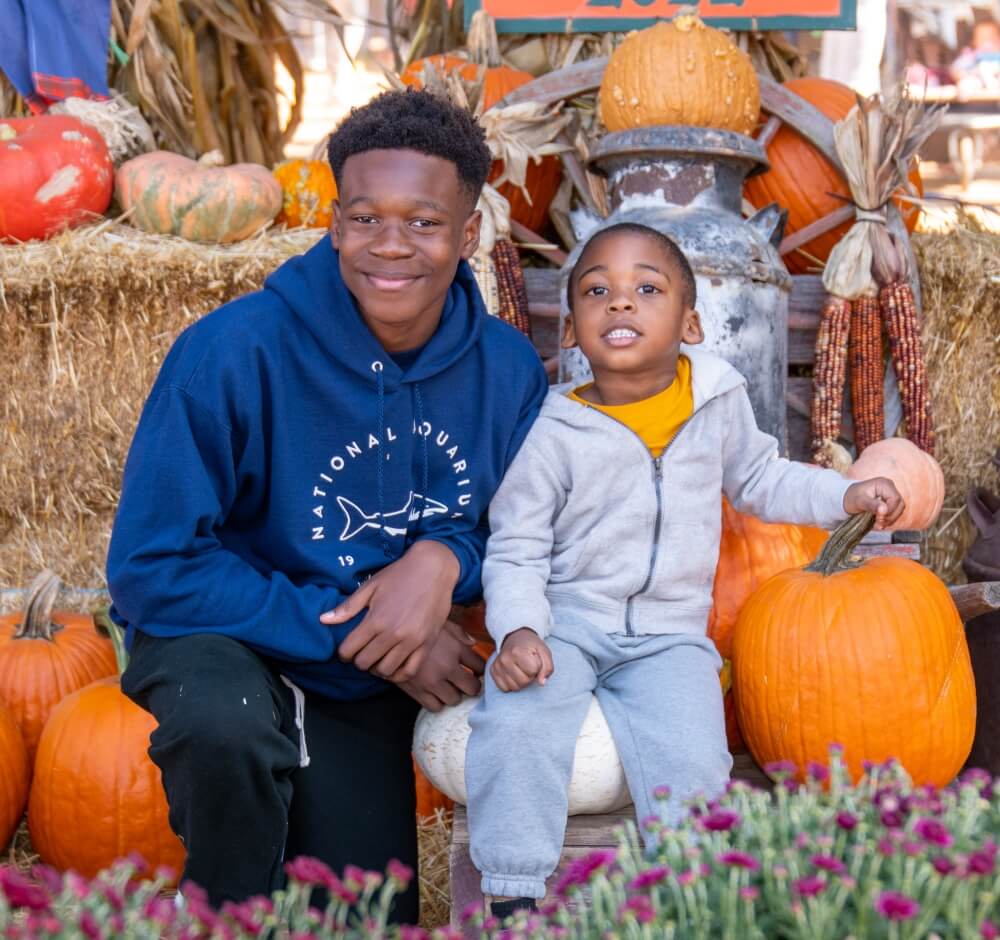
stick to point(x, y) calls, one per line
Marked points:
point(523, 658)
point(448, 673)
point(878, 495)
point(408, 602)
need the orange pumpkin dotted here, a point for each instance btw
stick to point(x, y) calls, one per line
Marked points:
point(870, 655)
point(308, 191)
point(15, 776)
point(680, 72)
point(750, 552)
point(45, 655)
point(543, 178)
point(168, 194)
point(805, 183)
point(917, 475)
point(96, 795)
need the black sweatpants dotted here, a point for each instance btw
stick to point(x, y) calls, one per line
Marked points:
point(229, 751)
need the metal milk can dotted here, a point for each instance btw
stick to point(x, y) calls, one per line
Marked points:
point(687, 182)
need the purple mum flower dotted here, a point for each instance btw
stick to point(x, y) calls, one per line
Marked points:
point(818, 773)
point(406, 932)
point(810, 886)
point(243, 916)
point(89, 926)
point(650, 877)
point(829, 863)
point(983, 861)
point(722, 820)
point(640, 907)
point(893, 905)
point(847, 821)
point(309, 871)
point(780, 769)
point(583, 869)
point(399, 872)
point(737, 859)
point(933, 832)
point(661, 793)
point(749, 893)
point(943, 865)
point(989, 931)
point(22, 893)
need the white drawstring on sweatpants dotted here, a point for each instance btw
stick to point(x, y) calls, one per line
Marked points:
point(300, 720)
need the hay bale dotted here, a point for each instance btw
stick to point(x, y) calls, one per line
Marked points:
point(434, 842)
point(960, 277)
point(85, 321)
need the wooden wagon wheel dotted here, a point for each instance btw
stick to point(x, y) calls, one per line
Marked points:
point(783, 106)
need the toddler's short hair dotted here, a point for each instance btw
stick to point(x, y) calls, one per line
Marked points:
point(669, 246)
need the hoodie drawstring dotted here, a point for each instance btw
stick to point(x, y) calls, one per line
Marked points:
point(378, 368)
point(424, 472)
point(300, 720)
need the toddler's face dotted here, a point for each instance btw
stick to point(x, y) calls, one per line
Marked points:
point(629, 313)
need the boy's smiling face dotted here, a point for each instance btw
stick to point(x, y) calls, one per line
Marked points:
point(630, 313)
point(402, 223)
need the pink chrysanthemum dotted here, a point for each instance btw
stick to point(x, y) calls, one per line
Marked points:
point(893, 905)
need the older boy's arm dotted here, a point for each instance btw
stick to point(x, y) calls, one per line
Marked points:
point(774, 489)
point(517, 566)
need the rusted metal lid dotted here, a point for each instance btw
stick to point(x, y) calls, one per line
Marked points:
point(669, 140)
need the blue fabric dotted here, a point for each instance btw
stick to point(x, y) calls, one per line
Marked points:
point(283, 457)
point(52, 49)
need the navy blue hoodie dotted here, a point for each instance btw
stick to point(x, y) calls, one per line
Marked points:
point(283, 457)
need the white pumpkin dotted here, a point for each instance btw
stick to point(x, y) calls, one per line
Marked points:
point(598, 783)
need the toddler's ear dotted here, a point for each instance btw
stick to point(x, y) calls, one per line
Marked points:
point(692, 333)
point(569, 333)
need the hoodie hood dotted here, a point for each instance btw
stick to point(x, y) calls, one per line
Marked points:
point(311, 286)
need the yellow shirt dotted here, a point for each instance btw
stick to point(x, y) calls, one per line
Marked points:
point(656, 420)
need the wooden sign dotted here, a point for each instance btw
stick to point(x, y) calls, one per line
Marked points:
point(589, 16)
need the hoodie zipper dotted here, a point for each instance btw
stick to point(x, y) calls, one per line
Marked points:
point(658, 488)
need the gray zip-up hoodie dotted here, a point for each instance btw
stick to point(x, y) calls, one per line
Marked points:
point(587, 523)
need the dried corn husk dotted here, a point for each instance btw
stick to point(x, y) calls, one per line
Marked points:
point(876, 143)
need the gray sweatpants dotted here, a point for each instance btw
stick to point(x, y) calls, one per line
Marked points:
point(662, 700)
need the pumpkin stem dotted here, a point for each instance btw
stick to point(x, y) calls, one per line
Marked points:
point(836, 553)
point(37, 623)
point(105, 624)
point(482, 42)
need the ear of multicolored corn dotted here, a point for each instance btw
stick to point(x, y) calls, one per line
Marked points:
point(828, 375)
point(865, 354)
point(513, 306)
point(900, 314)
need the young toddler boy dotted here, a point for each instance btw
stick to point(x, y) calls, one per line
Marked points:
point(599, 569)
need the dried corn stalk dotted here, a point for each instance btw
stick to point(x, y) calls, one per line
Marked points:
point(203, 74)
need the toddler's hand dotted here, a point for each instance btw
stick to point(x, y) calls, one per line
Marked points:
point(523, 658)
point(878, 495)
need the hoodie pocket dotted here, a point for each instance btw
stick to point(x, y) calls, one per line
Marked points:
point(685, 566)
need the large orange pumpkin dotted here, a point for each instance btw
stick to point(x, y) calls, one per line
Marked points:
point(543, 178)
point(680, 72)
point(96, 796)
point(15, 775)
point(869, 655)
point(750, 552)
point(45, 655)
point(917, 475)
point(168, 194)
point(804, 182)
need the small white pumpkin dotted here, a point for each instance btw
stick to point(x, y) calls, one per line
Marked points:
point(598, 783)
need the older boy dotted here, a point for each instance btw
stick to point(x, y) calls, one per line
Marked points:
point(303, 501)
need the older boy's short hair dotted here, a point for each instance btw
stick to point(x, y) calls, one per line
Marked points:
point(420, 121)
point(669, 246)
